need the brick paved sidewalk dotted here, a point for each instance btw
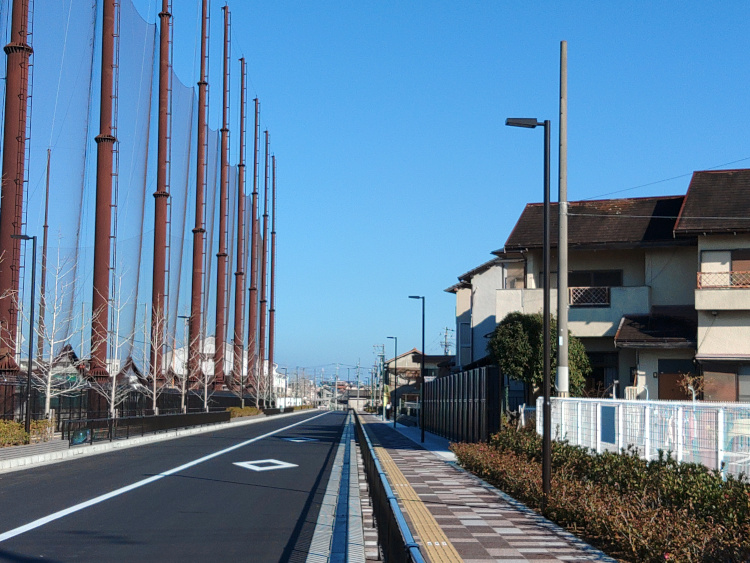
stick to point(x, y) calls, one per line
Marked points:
point(457, 517)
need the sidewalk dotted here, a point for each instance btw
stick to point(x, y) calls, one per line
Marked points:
point(457, 517)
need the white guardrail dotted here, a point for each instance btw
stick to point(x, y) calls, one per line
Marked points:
point(716, 435)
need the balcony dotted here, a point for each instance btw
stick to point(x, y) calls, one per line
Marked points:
point(588, 296)
point(723, 291)
point(723, 280)
point(594, 311)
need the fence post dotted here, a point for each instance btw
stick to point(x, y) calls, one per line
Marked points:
point(598, 436)
point(620, 431)
point(647, 432)
point(680, 433)
point(579, 440)
point(720, 442)
point(563, 431)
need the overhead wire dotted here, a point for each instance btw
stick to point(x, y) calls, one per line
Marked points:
point(663, 181)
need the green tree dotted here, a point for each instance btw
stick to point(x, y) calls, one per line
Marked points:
point(516, 345)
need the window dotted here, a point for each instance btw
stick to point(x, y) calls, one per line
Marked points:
point(595, 278)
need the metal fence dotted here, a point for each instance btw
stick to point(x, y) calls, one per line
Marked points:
point(716, 435)
point(88, 431)
point(465, 406)
point(394, 536)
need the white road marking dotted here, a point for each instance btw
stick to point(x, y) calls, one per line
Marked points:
point(65, 512)
point(265, 464)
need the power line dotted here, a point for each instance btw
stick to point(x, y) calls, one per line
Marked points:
point(664, 180)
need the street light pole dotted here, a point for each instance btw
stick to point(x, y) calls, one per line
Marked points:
point(187, 365)
point(27, 422)
point(395, 379)
point(546, 407)
point(421, 374)
point(286, 385)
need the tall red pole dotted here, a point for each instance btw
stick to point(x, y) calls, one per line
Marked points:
point(252, 323)
point(263, 267)
point(272, 309)
point(221, 256)
point(14, 156)
point(161, 196)
point(105, 142)
point(239, 283)
point(199, 232)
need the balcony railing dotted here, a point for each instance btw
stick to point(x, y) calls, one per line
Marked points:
point(589, 296)
point(723, 279)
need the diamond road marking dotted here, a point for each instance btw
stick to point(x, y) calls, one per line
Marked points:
point(265, 464)
point(298, 440)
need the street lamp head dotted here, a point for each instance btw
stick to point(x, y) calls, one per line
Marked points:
point(527, 122)
point(21, 237)
point(391, 337)
point(416, 297)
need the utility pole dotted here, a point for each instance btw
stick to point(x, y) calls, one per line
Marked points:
point(336, 390)
point(358, 384)
point(446, 342)
point(562, 380)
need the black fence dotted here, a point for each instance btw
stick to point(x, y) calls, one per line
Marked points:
point(465, 406)
point(88, 431)
point(88, 404)
point(394, 536)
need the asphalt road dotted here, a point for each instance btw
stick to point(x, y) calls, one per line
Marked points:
point(178, 500)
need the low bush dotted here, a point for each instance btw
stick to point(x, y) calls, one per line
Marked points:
point(41, 430)
point(235, 412)
point(633, 509)
point(12, 434)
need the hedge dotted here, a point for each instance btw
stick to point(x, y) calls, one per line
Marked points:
point(633, 509)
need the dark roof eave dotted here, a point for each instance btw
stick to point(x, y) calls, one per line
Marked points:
point(664, 344)
point(691, 241)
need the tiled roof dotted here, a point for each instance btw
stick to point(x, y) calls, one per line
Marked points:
point(660, 329)
point(717, 201)
point(610, 223)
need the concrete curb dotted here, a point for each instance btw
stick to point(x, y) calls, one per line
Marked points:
point(21, 463)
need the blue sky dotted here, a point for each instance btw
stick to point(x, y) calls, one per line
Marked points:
point(396, 173)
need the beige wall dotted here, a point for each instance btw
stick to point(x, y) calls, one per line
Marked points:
point(631, 262)
point(582, 321)
point(671, 274)
point(648, 363)
point(725, 334)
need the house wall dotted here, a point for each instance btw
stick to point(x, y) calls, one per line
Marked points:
point(631, 262)
point(648, 363)
point(483, 320)
point(463, 326)
point(582, 321)
point(671, 275)
point(725, 334)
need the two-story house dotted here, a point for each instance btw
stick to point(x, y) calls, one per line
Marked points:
point(658, 287)
point(717, 212)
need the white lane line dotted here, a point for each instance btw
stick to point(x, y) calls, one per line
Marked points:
point(62, 513)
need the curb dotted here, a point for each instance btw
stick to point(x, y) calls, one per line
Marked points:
point(21, 463)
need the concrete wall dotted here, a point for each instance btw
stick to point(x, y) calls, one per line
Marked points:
point(671, 274)
point(483, 320)
point(463, 324)
point(582, 321)
point(648, 363)
point(725, 334)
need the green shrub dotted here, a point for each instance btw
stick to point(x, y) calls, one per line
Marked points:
point(12, 434)
point(236, 412)
point(633, 509)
